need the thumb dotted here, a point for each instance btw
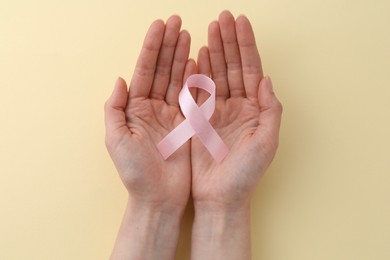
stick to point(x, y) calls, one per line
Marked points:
point(270, 114)
point(114, 108)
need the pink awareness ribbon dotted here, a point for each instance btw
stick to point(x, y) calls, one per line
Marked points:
point(196, 122)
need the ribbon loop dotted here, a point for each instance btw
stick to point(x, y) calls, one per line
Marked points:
point(196, 122)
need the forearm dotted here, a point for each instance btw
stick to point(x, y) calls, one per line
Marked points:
point(221, 233)
point(147, 233)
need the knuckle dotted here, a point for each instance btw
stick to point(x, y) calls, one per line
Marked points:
point(144, 71)
point(251, 69)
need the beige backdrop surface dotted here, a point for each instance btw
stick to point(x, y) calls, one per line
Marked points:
point(327, 194)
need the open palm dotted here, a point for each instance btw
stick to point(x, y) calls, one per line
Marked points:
point(247, 115)
point(136, 120)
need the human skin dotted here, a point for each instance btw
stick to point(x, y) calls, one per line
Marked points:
point(137, 119)
point(247, 117)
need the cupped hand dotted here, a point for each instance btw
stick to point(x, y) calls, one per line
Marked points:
point(247, 116)
point(138, 118)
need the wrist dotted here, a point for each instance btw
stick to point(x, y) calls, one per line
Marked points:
point(221, 214)
point(153, 218)
point(147, 232)
point(221, 207)
point(155, 208)
point(221, 231)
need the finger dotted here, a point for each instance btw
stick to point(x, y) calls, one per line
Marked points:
point(203, 68)
point(232, 54)
point(114, 108)
point(270, 115)
point(189, 70)
point(217, 60)
point(178, 67)
point(142, 80)
point(165, 58)
point(250, 58)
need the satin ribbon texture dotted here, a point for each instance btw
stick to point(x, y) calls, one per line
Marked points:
point(196, 122)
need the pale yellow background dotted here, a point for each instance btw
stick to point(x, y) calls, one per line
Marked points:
point(327, 194)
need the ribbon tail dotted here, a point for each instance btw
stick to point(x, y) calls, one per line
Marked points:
point(214, 144)
point(175, 139)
